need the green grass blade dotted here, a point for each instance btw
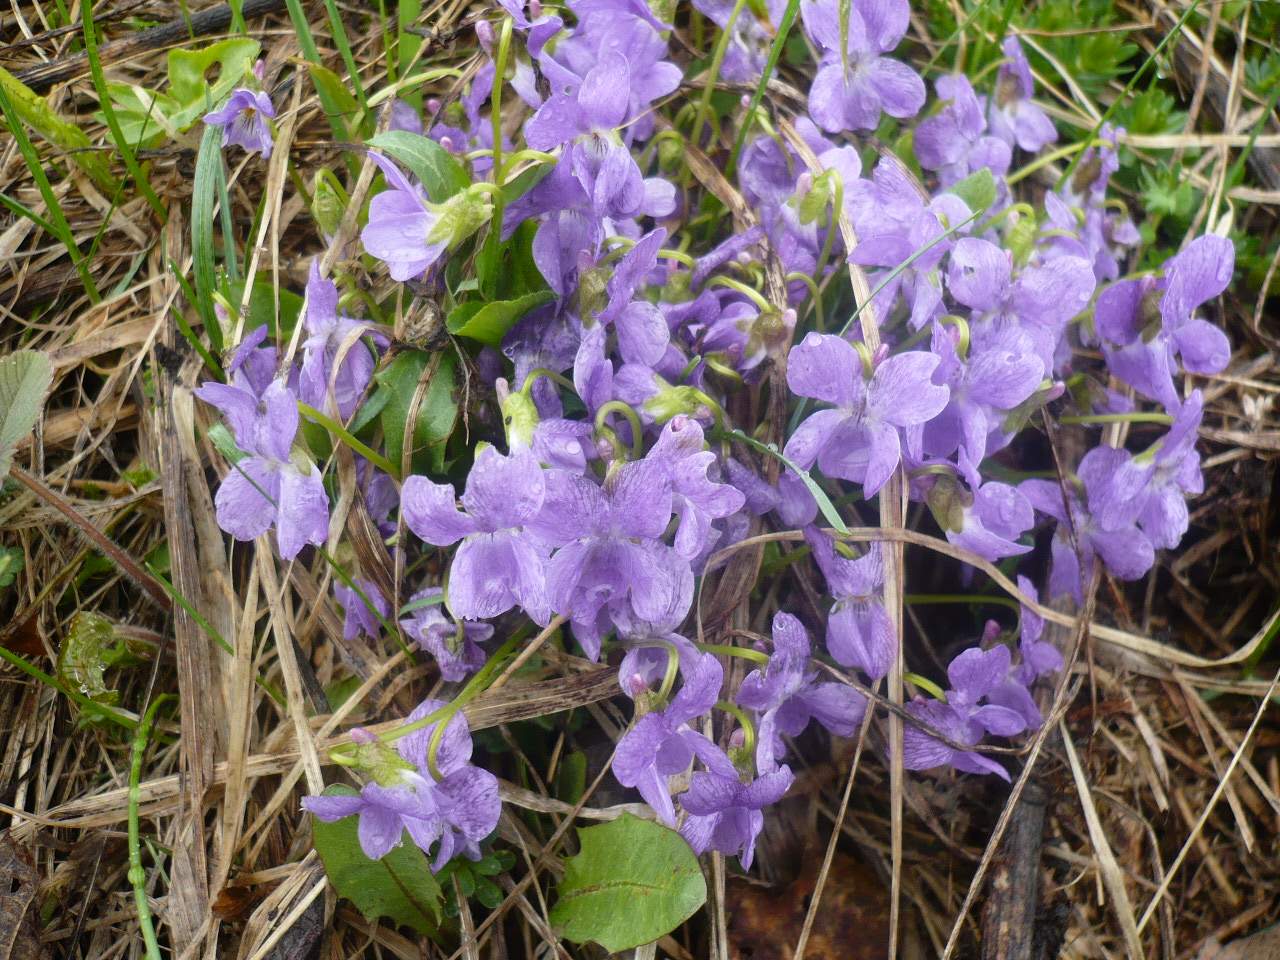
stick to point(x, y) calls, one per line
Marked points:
point(775, 54)
point(109, 111)
point(62, 229)
point(209, 170)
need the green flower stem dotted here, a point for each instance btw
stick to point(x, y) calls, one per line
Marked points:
point(742, 288)
point(617, 406)
point(537, 372)
point(495, 115)
point(962, 348)
point(1018, 208)
point(517, 158)
point(752, 111)
point(833, 217)
point(815, 296)
point(417, 79)
point(341, 432)
point(1045, 159)
point(746, 653)
point(748, 728)
point(1119, 418)
point(927, 685)
point(137, 876)
point(713, 74)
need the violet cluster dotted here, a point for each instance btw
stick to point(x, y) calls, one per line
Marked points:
point(613, 476)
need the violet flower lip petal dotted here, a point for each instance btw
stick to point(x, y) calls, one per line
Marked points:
point(267, 488)
point(859, 439)
point(243, 119)
point(500, 563)
point(661, 745)
point(724, 815)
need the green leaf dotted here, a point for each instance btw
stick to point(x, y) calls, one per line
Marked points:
point(436, 413)
point(332, 84)
point(85, 653)
point(262, 307)
point(489, 322)
point(400, 886)
point(35, 112)
point(977, 190)
point(634, 881)
point(435, 166)
point(25, 378)
point(188, 70)
point(10, 563)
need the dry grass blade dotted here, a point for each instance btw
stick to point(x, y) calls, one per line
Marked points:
point(1103, 854)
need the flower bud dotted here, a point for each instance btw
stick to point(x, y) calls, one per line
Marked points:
point(328, 206)
point(949, 500)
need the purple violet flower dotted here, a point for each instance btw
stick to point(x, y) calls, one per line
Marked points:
point(407, 231)
point(1040, 300)
point(357, 616)
point(459, 810)
point(1000, 372)
point(1140, 341)
point(1038, 657)
point(268, 487)
point(609, 550)
point(696, 499)
point(953, 142)
point(988, 520)
point(601, 163)
point(974, 675)
point(725, 815)
point(458, 656)
point(859, 439)
point(243, 119)
point(661, 745)
point(1105, 524)
point(786, 695)
point(331, 334)
point(1014, 117)
point(859, 631)
point(851, 90)
point(500, 563)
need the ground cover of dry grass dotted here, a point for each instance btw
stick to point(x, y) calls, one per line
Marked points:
point(1159, 776)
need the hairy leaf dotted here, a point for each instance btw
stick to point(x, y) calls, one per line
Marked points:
point(437, 411)
point(84, 655)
